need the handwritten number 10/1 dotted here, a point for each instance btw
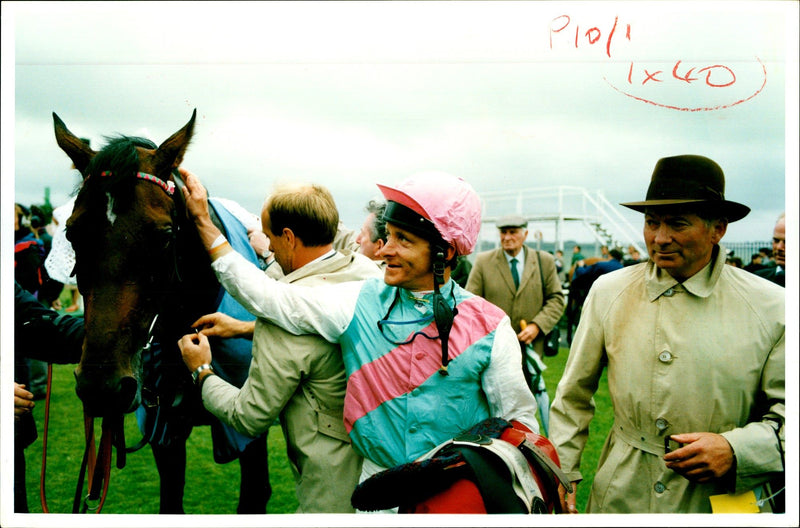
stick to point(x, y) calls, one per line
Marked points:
point(592, 35)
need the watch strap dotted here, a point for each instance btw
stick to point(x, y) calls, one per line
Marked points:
point(196, 372)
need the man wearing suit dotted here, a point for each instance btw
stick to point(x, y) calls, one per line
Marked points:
point(777, 273)
point(522, 297)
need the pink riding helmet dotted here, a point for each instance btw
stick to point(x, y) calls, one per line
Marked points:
point(449, 202)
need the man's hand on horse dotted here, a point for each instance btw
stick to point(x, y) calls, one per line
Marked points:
point(195, 350)
point(221, 325)
point(703, 457)
point(568, 498)
point(196, 198)
point(194, 194)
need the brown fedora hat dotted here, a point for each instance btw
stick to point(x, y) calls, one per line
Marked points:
point(689, 179)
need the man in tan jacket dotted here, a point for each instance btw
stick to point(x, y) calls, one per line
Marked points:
point(300, 379)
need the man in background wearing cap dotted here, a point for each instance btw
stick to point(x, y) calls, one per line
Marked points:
point(695, 368)
point(511, 278)
point(425, 359)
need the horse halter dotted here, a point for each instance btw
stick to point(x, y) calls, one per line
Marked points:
point(168, 186)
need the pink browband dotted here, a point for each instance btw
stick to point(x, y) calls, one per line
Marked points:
point(168, 186)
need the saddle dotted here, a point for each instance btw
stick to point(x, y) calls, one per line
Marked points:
point(493, 467)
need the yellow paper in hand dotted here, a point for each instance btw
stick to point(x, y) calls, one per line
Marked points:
point(741, 503)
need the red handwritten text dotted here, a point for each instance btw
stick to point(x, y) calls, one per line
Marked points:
point(591, 35)
point(684, 85)
point(716, 76)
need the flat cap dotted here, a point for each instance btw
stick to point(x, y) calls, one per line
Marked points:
point(513, 220)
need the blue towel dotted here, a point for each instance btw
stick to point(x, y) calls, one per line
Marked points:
point(231, 357)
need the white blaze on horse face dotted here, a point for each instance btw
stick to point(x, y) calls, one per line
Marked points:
point(110, 209)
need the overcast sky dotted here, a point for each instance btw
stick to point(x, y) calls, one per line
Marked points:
point(508, 96)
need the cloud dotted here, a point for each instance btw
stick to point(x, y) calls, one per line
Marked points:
point(350, 94)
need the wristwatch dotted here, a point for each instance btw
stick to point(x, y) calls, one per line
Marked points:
point(196, 372)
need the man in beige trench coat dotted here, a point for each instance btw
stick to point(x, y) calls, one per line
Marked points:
point(695, 357)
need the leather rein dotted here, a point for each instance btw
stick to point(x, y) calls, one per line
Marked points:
point(97, 465)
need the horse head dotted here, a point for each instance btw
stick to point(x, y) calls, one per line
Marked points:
point(123, 229)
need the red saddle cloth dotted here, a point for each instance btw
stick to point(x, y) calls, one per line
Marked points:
point(494, 467)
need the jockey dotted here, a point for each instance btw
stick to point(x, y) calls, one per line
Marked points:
point(425, 359)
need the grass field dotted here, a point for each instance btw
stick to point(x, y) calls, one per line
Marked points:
point(210, 488)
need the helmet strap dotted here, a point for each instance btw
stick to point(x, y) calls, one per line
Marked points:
point(442, 313)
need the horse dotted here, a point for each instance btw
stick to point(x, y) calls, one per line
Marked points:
point(145, 277)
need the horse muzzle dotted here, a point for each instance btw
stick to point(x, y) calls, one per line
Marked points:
point(104, 395)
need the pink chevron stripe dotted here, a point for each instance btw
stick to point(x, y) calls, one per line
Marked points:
point(409, 366)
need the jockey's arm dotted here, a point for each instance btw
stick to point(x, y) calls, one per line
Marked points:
point(503, 382)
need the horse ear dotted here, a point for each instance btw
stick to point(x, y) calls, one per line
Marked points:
point(78, 151)
point(170, 153)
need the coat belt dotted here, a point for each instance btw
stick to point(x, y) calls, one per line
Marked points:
point(647, 442)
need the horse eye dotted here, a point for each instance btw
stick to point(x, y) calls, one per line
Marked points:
point(165, 236)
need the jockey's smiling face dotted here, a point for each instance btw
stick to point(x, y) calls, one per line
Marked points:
point(408, 260)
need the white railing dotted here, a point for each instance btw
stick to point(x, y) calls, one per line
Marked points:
point(557, 207)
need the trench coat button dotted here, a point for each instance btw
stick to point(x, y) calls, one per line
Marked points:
point(665, 356)
point(659, 487)
point(420, 356)
point(661, 424)
point(669, 293)
point(412, 429)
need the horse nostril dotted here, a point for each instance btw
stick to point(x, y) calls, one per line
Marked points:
point(128, 393)
point(102, 399)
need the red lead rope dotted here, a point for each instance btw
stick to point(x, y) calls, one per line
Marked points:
point(98, 473)
point(98, 468)
point(42, 493)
